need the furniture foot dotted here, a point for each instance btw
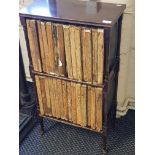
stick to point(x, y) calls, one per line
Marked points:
point(105, 149)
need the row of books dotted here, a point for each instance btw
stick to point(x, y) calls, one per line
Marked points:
point(71, 51)
point(74, 102)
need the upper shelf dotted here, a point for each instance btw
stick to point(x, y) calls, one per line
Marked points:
point(84, 12)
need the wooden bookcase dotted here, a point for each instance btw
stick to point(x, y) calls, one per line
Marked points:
point(73, 48)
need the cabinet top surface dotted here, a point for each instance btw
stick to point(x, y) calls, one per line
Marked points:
point(99, 13)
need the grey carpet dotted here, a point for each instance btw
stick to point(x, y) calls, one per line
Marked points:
point(61, 139)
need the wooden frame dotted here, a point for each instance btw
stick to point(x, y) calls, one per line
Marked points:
point(108, 75)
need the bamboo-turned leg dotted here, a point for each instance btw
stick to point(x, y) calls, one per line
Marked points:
point(41, 125)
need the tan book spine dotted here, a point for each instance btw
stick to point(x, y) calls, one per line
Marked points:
point(41, 46)
point(68, 50)
point(43, 94)
point(50, 82)
point(69, 100)
point(60, 99)
point(54, 97)
point(78, 53)
point(61, 50)
point(78, 103)
point(64, 96)
point(51, 65)
point(89, 106)
point(98, 109)
point(39, 95)
point(93, 109)
point(83, 106)
point(34, 46)
point(73, 51)
point(100, 55)
point(95, 55)
point(45, 45)
point(74, 112)
point(56, 49)
point(47, 96)
point(87, 55)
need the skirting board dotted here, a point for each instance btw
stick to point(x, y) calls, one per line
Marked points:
point(129, 103)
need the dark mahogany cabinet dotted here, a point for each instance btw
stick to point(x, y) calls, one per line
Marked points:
point(73, 48)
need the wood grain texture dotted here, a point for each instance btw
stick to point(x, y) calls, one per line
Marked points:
point(69, 100)
point(93, 109)
point(51, 64)
point(83, 106)
point(41, 46)
point(34, 46)
point(56, 52)
point(89, 106)
point(73, 50)
point(95, 55)
point(48, 100)
point(68, 50)
point(39, 95)
point(78, 103)
point(59, 98)
point(43, 94)
point(98, 109)
point(61, 50)
point(87, 55)
point(50, 84)
point(74, 111)
point(45, 46)
point(100, 55)
point(77, 32)
point(64, 100)
point(54, 86)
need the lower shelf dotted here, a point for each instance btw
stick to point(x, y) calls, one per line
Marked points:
point(73, 102)
point(71, 124)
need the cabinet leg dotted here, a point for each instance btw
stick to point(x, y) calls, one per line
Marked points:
point(41, 125)
point(114, 116)
point(105, 149)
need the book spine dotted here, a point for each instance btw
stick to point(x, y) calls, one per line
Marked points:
point(78, 103)
point(64, 97)
point(39, 95)
point(61, 50)
point(54, 98)
point(93, 109)
point(73, 50)
point(98, 109)
point(41, 46)
point(69, 100)
point(34, 46)
point(45, 46)
point(59, 98)
point(51, 64)
point(74, 112)
point(43, 94)
point(83, 106)
point(95, 55)
point(68, 50)
point(100, 55)
point(89, 106)
point(87, 55)
point(77, 32)
point(50, 82)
